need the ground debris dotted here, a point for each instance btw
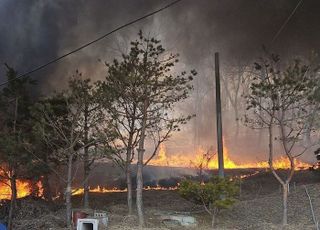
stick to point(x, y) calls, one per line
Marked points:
point(259, 212)
point(37, 214)
point(44, 222)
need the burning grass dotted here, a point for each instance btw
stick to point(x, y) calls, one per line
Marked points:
point(26, 188)
point(99, 189)
point(210, 161)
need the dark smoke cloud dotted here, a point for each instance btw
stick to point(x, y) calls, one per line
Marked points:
point(238, 28)
point(33, 32)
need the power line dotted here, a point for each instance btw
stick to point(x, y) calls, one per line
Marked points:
point(91, 42)
point(286, 21)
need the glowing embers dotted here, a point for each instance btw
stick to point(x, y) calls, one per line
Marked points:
point(208, 160)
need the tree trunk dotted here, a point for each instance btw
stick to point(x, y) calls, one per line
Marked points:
point(128, 173)
point(69, 191)
point(86, 178)
point(86, 163)
point(213, 219)
point(140, 187)
point(34, 187)
point(285, 190)
point(285, 204)
point(140, 166)
point(13, 200)
point(13, 178)
point(292, 166)
point(129, 189)
point(237, 119)
point(47, 194)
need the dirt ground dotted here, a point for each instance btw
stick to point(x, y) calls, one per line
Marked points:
point(263, 212)
point(259, 207)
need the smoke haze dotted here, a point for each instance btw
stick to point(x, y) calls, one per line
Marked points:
point(34, 32)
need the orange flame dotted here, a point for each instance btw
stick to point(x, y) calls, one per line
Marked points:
point(210, 161)
point(24, 187)
point(99, 189)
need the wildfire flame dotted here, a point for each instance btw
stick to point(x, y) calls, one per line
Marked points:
point(210, 161)
point(99, 189)
point(24, 188)
point(202, 159)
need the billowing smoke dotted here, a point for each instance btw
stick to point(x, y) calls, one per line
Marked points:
point(34, 32)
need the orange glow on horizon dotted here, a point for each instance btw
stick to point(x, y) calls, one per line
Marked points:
point(210, 161)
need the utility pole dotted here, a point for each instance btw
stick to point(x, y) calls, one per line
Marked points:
point(219, 117)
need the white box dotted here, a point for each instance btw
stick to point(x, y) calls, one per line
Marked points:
point(87, 224)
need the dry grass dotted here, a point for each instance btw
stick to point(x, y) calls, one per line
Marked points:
point(253, 211)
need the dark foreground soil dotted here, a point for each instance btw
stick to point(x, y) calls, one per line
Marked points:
point(263, 212)
point(259, 207)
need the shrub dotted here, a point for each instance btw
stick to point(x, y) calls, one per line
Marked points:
point(217, 194)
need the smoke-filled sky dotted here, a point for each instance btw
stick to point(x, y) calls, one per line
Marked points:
point(35, 31)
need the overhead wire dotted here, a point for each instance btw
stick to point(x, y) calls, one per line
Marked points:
point(123, 26)
point(90, 43)
point(286, 22)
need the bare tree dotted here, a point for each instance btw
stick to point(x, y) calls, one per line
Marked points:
point(160, 90)
point(71, 123)
point(145, 91)
point(125, 114)
point(235, 83)
point(202, 163)
point(94, 122)
point(277, 101)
